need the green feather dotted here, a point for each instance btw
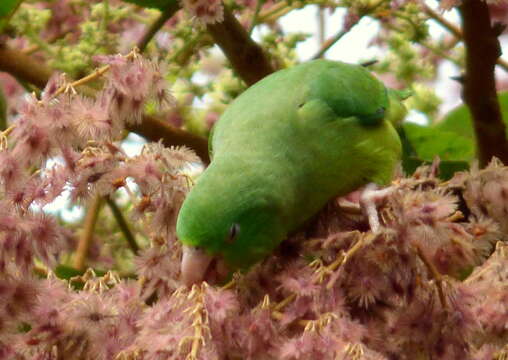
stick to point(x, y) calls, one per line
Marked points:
point(281, 150)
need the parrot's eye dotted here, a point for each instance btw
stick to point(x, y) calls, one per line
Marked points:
point(234, 230)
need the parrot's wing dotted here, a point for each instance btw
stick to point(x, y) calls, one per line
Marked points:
point(350, 91)
point(319, 110)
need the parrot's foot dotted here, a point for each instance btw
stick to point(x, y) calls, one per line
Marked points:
point(370, 196)
point(198, 266)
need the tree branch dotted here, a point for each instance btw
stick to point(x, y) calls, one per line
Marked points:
point(85, 240)
point(26, 68)
point(155, 129)
point(479, 91)
point(23, 67)
point(247, 58)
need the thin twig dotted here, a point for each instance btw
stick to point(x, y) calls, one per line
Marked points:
point(454, 30)
point(278, 10)
point(436, 275)
point(96, 74)
point(321, 272)
point(321, 25)
point(279, 306)
point(122, 224)
point(254, 20)
point(456, 216)
point(191, 46)
point(158, 24)
point(331, 41)
point(85, 240)
point(271, 12)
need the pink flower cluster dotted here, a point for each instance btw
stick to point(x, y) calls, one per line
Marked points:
point(431, 284)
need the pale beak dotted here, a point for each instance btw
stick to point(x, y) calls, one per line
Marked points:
point(195, 263)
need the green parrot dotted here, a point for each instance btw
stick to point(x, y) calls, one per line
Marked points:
point(281, 150)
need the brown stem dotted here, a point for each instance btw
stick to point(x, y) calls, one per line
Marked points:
point(247, 58)
point(85, 240)
point(479, 91)
point(155, 129)
point(27, 69)
point(436, 275)
point(122, 224)
point(325, 46)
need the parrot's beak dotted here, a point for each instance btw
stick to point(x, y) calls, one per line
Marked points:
point(195, 263)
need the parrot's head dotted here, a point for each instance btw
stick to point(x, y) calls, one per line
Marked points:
point(396, 110)
point(225, 228)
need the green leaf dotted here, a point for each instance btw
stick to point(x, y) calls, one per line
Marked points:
point(154, 4)
point(429, 142)
point(7, 8)
point(447, 168)
point(67, 272)
point(459, 120)
point(411, 161)
point(24, 327)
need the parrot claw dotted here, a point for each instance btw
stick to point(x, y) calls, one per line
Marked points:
point(195, 263)
point(368, 201)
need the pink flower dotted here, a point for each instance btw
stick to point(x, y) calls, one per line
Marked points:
point(18, 297)
point(50, 185)
point(8, 220)
point(95, 172)
point(221, 304)
point(131, 83)
point(296, 280)
point(92, 118)
point(321, 343)
point(46, 236)
point(33, 143)
point(56, 81)
point(11, 171)
point(257, 333)
point(159, 266)
point(204, 11)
